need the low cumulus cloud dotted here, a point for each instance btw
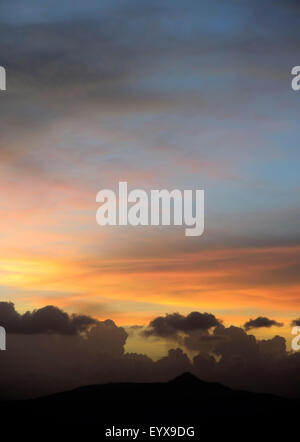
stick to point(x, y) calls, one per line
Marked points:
point(261, 321)
point(171, 324)
point(296, 322)
point(48, 319)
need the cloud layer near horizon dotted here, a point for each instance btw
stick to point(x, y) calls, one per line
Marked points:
point(50, 359)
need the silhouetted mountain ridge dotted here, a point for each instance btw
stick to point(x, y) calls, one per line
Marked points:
point(185, 400)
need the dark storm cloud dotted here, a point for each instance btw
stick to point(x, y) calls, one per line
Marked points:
point(48, 319)
point(296, 322)
point(170, 324)
point(200, 340)
point(249, 363)
point(261, 321)
point(275, 347)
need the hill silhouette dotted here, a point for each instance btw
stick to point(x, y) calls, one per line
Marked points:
point(185, 400)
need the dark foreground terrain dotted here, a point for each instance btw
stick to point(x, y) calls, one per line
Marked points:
point(213, 411)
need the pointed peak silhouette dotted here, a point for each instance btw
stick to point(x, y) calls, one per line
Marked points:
point(186, 378)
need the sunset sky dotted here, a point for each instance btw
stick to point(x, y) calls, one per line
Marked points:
point(161, 95)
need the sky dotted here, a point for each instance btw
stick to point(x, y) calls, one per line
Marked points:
point(170, 94)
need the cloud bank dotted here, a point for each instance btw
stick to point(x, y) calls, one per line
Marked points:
point(73, 350)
